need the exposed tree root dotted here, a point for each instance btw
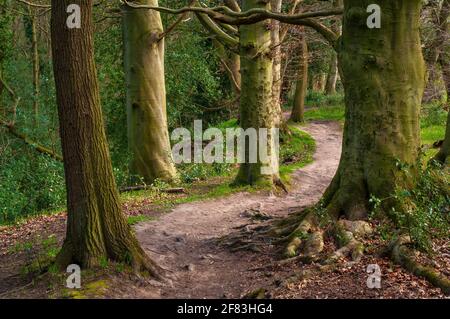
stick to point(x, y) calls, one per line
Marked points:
point(140, 263)
point(303, 241)
point(260, 293)
point(347, 234)
point(404, 256)
point(306, 241)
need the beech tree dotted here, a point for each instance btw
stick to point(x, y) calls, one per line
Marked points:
point(148, 134)
point(256, 105)
point(382, 117)
point(330, 86)
point(301, 86)
point(96, 227)
point(441, 56)
point(276, 39)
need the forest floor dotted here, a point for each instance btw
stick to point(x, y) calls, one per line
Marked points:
point(188, 242)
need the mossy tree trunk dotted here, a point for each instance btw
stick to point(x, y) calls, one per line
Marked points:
point(256, 103)
point(301, 87)
point(97, 229)
point(383, 76)
point(330, 86)
point(437, 52)
point(444, 61)
point(148, 134)
point(232, 64)
point(276, 69)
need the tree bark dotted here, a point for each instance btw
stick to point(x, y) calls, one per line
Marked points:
point(256, 103)
point(444, 153)
point(232, 63)
point(384, 85)
point(276, 69)
point(96, 227)
point(318, 83)
point(444, 61)
point(148, 134)
point(36, 76)
point(4, 46)
point(301, 87)
point(437, 57)
point(330, 86)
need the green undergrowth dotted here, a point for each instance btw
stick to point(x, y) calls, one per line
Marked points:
point(321, 107)
point(133, 220)
point(326, 113)
point(423, 212)
point(432, 125)
point(296, 152)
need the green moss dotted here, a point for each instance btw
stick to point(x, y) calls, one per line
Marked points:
point(326, 113)
point(91, 290)
point(133, 220)
point(296, 152)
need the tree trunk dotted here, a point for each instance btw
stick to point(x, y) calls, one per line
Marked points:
point(256, 104)
point(276, 69)
point(232, 63)
point(36, 84)
point(330, 86)
point(301, 87)
point(383, 86)
point(148, 134)
point(444, 61)
point(4, 47)
point(318, 84)
point(235, 66)
point(96, 227)
point(437, 57)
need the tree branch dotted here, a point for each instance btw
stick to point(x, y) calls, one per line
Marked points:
point(226, 15)
point(213, 28)
point(39, 148)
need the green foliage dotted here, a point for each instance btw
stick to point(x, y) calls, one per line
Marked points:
point(433, 121)
point(133, 220)
point(318, 99)
point(326, 113)
point(433, 114)
point(29, 183)
point(193, 82)
point(296, 150)
point(193, 172)
point(5, 31)
point(422, 212)
point(40, 254)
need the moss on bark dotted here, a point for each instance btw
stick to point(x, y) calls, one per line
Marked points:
point(148, 135)
point(96, 227)
point(383, 76)
point(256, 103)
point(301, 87)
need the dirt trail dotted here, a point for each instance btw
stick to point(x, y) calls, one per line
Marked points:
point(184, 241)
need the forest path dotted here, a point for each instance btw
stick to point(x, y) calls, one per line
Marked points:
point(184, 241)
